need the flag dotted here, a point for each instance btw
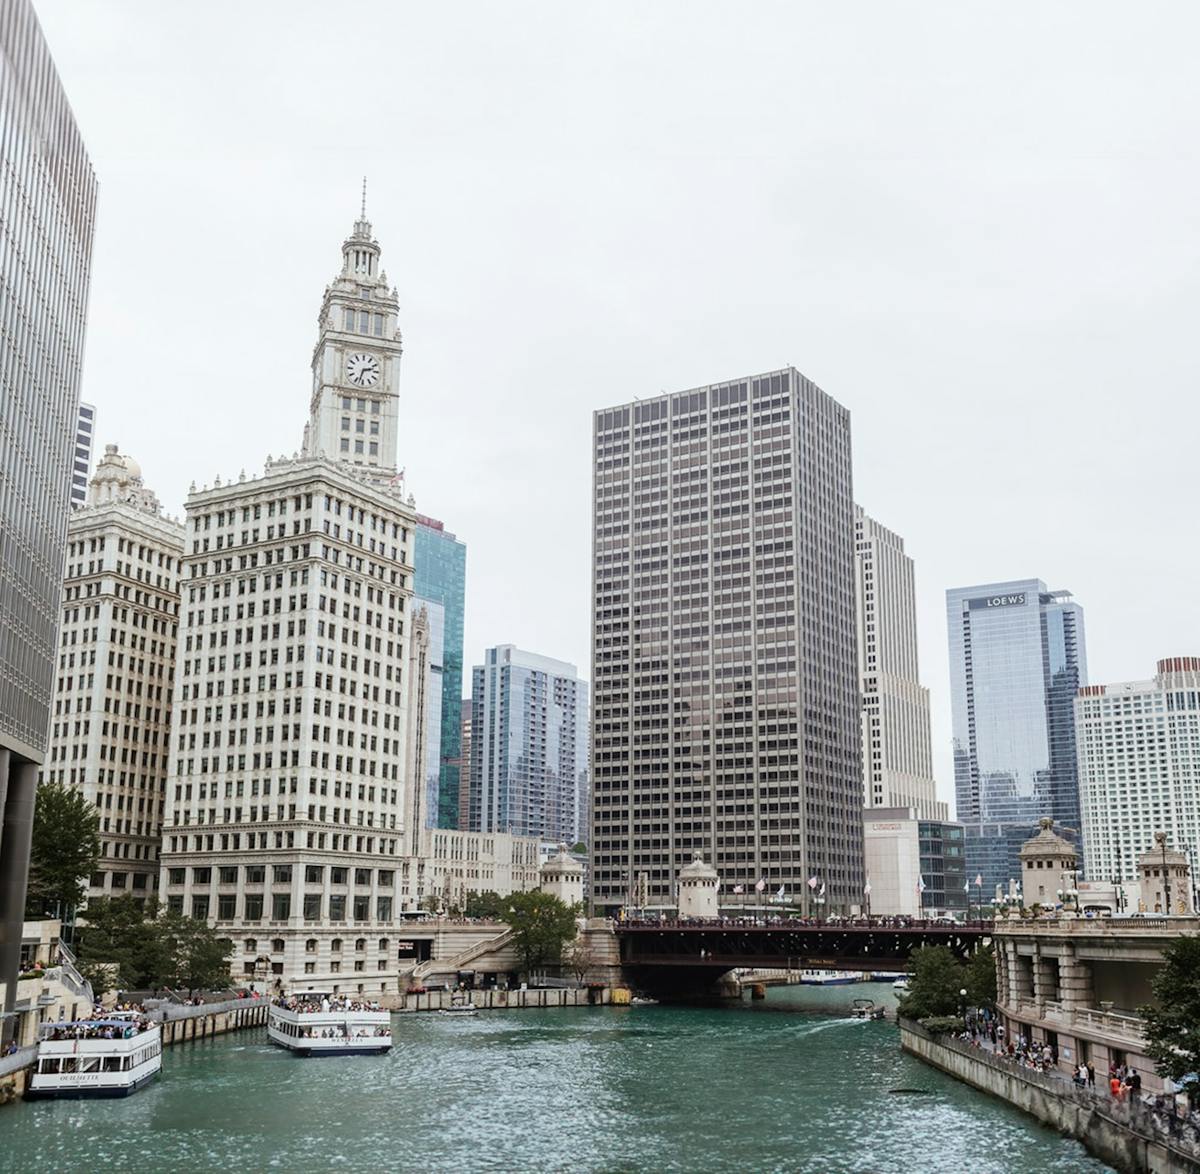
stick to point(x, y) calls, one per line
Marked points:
point(739, 888)
point(920, 884)
point(867, 888)
point(812, 882)
point(762, 884)
point(822, 890)
point(979, 880)
point(779, 895)
point(967, 887)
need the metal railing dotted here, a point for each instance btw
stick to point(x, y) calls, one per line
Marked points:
point(168, 1012)
point(21, 1058)
point(1135, 1116)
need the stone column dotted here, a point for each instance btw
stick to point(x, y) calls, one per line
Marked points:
point(14, 873)
point(1039, 982)
point(1074, 981)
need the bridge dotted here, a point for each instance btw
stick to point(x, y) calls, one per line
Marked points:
point(688, 957)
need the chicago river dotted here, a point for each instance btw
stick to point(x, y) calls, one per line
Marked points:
point(788, 1084)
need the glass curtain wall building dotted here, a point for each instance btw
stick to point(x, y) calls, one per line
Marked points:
point(440, 577)
point(529, 746)
point(47, 215)
point(725, 665)
point(81, 465)
point(1017, 658)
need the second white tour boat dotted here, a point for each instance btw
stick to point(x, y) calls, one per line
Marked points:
point(320, 1023)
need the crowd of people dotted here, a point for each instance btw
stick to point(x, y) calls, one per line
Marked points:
point(310, 1005)
point(780, 921)
point(340, 1033)
point(98, 1029)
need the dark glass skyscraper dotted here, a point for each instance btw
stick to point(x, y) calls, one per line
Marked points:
point(47, 216)
point(440, 576)
point(1017, 658)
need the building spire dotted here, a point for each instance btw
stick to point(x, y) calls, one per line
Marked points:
point(363, 213)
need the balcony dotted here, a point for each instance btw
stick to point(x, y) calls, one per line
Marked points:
point(1120, 1027)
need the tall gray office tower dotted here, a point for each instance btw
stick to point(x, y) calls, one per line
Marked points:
point(48, 197)
point(725, 682)
point(1017, 658)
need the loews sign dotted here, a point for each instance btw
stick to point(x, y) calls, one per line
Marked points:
point(998, 601)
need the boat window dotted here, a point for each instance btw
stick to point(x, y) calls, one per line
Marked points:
point(112, 1063)
point(89, 1063)
point(68, 1064)
point(49, 1065)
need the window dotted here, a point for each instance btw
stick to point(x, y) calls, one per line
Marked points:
point(374, 407)
point(277, 946)
point(362, 876)
point(226, 907)
point(310, 947)
point(314, 874)
point(176, 876)
point(349, 320)
point(250, 945)
point(360, 945)
point(379, 325)
point(281, 906)
point(364, 322)
point(345, 423)
point(283, 874)
point(347, 402)
point(336, 945)
point(358, 446)
point(201, 876)
point(200, 908)
point(338, 875)
point(175, 904)
point(256, 874)
point(310, 968)
point(312, 906)
point(337, 908)
point(373, 449)
point(227, 876)
point(362, 908)
point(345, 444)
point(254, 907)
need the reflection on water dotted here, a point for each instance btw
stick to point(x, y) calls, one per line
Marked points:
point(598, 1089)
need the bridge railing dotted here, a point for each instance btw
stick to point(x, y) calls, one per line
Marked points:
point(799, 923)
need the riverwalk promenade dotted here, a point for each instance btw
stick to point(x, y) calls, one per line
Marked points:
point(1130, 1135)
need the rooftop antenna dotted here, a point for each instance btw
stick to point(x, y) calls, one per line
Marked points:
point(363, 213)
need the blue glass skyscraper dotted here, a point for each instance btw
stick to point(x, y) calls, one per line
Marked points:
point(440, 576)
point(1017, 658)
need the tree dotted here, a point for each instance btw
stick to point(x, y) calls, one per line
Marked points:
point(121, 932)
point(935, 980)
point(980, 978)
point(489, 905)
point(1173, 1023)
point(150, 948)
point(63, 852)
point(541, 925)
point(580, 849)
point(579, 957)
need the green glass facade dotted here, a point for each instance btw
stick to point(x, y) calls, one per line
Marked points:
point(440, 576)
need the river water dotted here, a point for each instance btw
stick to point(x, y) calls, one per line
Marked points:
point(789, 1084)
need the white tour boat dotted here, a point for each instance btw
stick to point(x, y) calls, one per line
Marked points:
point(319, 1023)
point(103, 1057)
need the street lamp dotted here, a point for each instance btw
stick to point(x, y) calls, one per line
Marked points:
point(1161, 837)
point(962, 1003)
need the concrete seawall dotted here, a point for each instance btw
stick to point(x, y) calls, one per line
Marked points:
point(232, 1016)
point(492, 1000)
point(1126, 1145)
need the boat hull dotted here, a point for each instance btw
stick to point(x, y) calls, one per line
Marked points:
point(89, 1093)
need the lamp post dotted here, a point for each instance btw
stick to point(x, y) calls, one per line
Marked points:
point(1161, 837)
point(962, 1003)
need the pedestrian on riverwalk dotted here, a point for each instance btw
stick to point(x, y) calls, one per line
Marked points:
point(1091, 1074)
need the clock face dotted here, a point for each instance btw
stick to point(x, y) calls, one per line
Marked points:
point(362, 370)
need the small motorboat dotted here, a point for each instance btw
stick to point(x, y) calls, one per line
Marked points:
point(866, 1009)
point(900, 986)
point(459, 1008)
point(643, 1001)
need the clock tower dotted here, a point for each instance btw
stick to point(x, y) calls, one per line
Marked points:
point(353, 412)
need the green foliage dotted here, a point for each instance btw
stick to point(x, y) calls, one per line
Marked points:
point(489, 905)
point(581, 848)
point(935, 979)
point(1173, 1023)
point(150, 948)
point(63, 852)
point(541, 924)
point(941, 1024)
point(981, 978)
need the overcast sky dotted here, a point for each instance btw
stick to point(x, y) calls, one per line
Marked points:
point(977, 226)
